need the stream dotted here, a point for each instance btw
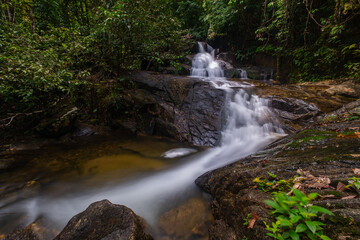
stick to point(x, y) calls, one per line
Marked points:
point(133, 171)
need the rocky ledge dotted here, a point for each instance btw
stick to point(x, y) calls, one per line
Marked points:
point(327, 152)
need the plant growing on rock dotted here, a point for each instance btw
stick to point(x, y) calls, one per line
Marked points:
point(354, 181)
point(274, 184)
point(294, 217)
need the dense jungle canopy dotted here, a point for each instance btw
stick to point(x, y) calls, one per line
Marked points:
point(54, 48)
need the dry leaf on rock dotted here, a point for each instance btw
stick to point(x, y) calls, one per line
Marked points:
point(349, 197)
point(254, 218)
point(327, 196)
point(340, 187)
point(356, 171)
point(312, 181)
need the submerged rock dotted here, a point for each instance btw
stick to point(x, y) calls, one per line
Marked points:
point(188, 221)
point(104, 220)
point(38, 230)
point(178, 152)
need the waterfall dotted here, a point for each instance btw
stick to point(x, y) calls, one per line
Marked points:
point(243, 74)
point(250, 126)
point(204, 64)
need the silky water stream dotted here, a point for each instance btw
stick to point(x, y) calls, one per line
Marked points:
point(141, 179)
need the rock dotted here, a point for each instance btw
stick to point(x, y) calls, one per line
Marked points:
point(59, 123)
point(259, 73)
point(38, 230)
point(178, 152)
point(189, 221)
point(347, 89)
point(317, 149)
point(227, 57)
point(7, 163)
point(104, 220)
point(294, 111)
point(183, 108)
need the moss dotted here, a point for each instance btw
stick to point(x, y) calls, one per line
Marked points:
point(335, 193)
point(340, 220)
point(330, 118)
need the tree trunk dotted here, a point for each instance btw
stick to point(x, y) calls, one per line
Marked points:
point(9, 13)
point(3, 11)
point(33, 23)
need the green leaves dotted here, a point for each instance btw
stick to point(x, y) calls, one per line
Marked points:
point(294, 216)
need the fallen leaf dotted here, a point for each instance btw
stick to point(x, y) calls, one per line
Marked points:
point(2, 236)
point(340, 136)
point(297, 185)
point(349, 197)
point(357, 134)
point(254, 218)
point(355, 155)
point(340, 187)
point(356, 171)
point(328, 196)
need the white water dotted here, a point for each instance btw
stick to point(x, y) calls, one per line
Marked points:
point(250, 127)
point(243, 74)
point(204, 63)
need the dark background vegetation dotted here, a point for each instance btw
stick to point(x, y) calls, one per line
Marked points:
point(51, 49)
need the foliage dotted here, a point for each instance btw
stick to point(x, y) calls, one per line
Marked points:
point(276, 185)
point(294, 217)
point(355, 182)
point(247, 219)
point(130, 31)
point(35, 69)
point(190, 12)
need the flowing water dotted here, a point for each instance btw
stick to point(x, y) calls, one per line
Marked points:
point(250, 126)
point(204, 64)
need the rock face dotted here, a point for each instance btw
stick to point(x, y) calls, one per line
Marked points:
point(329, 148)
point(104, 220)
point(183, 108)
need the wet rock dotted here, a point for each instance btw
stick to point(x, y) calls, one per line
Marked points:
point(348, 89)
point(259, 73)
point(183, 108)
point(294, 111)
point(227, 57)
point(189, 221)
point(38, 230)
point(7, 162)
point(104, 220)
point(58, 124)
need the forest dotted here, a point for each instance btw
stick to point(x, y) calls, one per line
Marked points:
point(52, 48)
point(180, 119)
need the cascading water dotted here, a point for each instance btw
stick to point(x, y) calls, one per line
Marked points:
point(243, 74)
point(250, 126)
point(204, 64)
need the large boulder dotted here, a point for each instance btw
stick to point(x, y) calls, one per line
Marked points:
point(183, 108)
point(104, 220)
